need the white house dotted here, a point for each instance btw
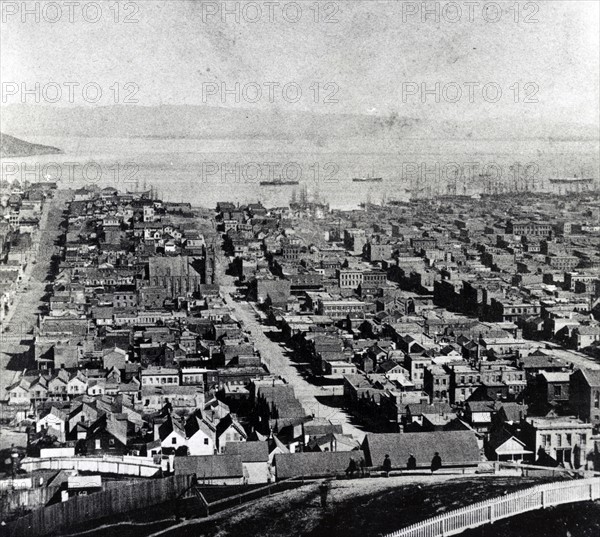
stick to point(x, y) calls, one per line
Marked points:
point(54, 422)
point(229, 430)
point(77, 384)
point(96, 387)
point(18, 393)
point(171, 434)
point(201, 435)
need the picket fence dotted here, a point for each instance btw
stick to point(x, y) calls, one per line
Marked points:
point(487, 512)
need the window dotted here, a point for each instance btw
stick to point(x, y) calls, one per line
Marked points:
point(111, 441)
point(206, 441)
point(97, 443)
point(597, 399)
point(559, 440)
point(174, 440)
point(557, 391)
point(569, 439)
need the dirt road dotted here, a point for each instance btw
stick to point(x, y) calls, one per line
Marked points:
point(274, 357)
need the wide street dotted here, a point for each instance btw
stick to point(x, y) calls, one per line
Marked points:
point(16, 338)
point(578, 359)
point(274, 357)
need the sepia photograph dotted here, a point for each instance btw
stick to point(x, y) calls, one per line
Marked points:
point(305, 268)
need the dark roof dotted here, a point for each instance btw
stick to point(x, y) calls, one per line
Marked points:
point(227, 422)
point(454, 447)
point(168, 426)
point(249, 451)
point(314, 464)
point(210, 466)
point(513, 411)
point(418, 409)
point(319, 428)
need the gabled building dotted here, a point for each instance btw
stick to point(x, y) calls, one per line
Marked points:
point(584, 395)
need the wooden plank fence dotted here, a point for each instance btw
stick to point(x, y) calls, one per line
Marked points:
point(138, 495)
point(107, 464)
point(487, 512)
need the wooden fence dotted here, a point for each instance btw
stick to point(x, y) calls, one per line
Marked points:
point(108, 464)
point(80, 509)
point(486, 512)
point(255, 493)
point(12, 501)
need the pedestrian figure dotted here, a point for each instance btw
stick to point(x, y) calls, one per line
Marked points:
point(412, 462)
point(324, 491)
point(351, 468)
point(363, 466)
point(387, 465)
point(436, 462)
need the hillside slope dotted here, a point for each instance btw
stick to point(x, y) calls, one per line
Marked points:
point(14, 147)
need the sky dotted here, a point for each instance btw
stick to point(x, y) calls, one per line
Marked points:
point(364, 57)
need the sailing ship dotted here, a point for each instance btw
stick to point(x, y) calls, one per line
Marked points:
point(279, 182)
point(370, 178)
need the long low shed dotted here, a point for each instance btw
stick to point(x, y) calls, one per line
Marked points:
point(455, 448)
point(317, 464)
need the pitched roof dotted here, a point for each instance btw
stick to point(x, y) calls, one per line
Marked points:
point(196, 423)
point(513, 411)
point(314, 464)
point(170, 425)
point(454, 447)
point(592, 376)
point(556, 377)
point(321, 427)
point(249, 451)
point(118, 429)
point(227, 422)
point(419, 409)
point(210, 466)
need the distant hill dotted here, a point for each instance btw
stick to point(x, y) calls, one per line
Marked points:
point(209, 122)
point(14, 147)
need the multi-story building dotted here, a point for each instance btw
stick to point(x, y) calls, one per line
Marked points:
point(154, 376)
point(567, 440)
point(562, 262)
point(464, 380)
point(416, 365)
point(374, 278)
point(584, 395)
point(505, 309)
point(436, 383)
point(350, 278)
point(340, 309)
point(529, 228)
